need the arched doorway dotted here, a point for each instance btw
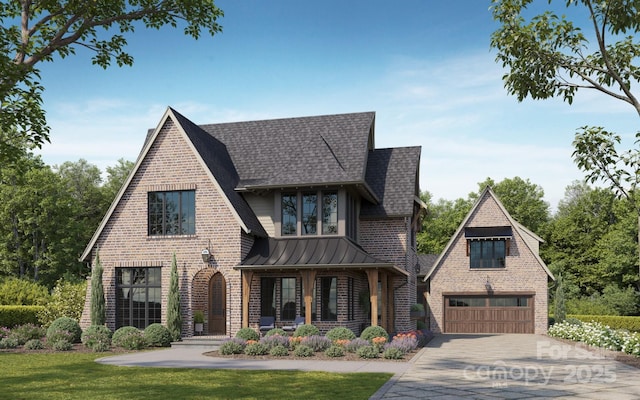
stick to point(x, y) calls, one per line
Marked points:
point(217, 305)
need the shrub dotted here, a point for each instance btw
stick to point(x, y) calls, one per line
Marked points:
point(4, 332)
point(22, 292)
point(67, 300)
point(355, 344)
point(26, 332)
point(97, 338)
point(174, 316)
point(317, 342)
point(34, 344)
point(405, 342)
point(256, 349)
point(617, 322)
point(275, 340)
point(129, 337)
point(340, 333)
point(66, 324)
point(62, 345)
point(306, 330)
point(276, 331)
point(303, 351)
point(157, 335)
point(8, 343)
point(98, 311)
point(294, 341)
point(393, 353)
point(367, 352)
point(279, 351)
point(11, 316)
point(57, 335)
point(373, 331)
point(232, 346)
point(248, 334)
point(335, 351)
point(573, 321)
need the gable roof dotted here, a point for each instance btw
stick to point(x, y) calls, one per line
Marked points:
point(526, 234)
point(392, 174)
point(310, 151)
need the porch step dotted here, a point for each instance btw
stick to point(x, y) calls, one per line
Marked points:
point(199, 342)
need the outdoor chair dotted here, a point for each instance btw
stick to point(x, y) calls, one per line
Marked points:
point(296, 323)
point(266, 324)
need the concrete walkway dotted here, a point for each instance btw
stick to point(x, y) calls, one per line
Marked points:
point(511, 367)
point(454, 367)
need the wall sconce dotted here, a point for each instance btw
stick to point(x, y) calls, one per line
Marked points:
point(487, 285)
point(206, 254)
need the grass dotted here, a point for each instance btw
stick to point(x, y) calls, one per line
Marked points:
point(78, 376)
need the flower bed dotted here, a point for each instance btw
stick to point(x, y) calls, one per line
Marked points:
point(598, 335)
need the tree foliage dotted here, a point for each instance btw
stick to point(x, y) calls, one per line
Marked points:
point(98, 311)
point(37, 31)
point(174, 316)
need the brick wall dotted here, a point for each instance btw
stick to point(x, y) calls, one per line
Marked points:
point(170, 165)
point(522, 273)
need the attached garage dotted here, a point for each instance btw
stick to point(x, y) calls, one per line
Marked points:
point(513, 313)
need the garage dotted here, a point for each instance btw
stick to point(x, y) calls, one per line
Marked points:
point(489, 314)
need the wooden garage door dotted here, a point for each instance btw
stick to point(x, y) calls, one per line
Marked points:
point(488, 314)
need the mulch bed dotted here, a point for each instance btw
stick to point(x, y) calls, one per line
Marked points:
point(319, 356)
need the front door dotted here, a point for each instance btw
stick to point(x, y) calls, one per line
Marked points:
point(217, 305)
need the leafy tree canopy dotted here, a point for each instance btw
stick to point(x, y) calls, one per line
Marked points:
point(35, 31)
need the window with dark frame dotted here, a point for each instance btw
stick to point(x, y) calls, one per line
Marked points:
point(318, 213)
point(351, 302)
point(289, 214)
point(288, 299)
point(309, 214)
point(171, 213)
point(489, 253)
point(267, 297)
point(138, 296)
point(329, 213)
point(329, 298)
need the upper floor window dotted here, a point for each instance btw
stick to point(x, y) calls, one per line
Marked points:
point(316, 212)
point(172, 213)
point(487, 253)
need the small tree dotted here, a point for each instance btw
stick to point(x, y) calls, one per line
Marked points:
point(174, 319)
point(98, 314)
point(560, 311)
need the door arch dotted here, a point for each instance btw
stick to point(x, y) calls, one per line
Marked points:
point(217, 305)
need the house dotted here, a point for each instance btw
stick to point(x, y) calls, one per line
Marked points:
point(283, 218)
point(489, 278)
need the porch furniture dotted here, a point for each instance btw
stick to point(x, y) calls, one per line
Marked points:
point(266, 324)
point(296, 323)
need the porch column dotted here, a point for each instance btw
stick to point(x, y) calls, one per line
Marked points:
point(246, 291)
point(384, 312)
point(308, 280)
point(372, 274)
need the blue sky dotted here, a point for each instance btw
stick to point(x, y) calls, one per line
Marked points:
point(425, 68)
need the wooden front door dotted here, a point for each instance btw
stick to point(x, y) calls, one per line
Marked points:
point(217, 305)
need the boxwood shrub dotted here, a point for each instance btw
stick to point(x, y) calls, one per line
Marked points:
point(157, 335)
point(340, 333)
point(306, 330)
point(371, 332)
point(66, 324)
point(11, 316)
point(129, 337)
point(248, 334)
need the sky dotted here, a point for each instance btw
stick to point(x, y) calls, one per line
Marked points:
point(425, 67)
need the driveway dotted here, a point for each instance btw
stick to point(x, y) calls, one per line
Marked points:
point(511, 367)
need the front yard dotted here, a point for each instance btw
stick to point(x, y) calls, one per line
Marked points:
point(73, 375)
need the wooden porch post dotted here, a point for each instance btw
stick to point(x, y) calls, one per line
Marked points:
point(372, 274)
point(246, 290)
point(308, 279)
point(385, 306)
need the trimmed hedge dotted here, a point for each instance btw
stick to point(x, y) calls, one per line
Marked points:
point(11, 316)
point(631, 324)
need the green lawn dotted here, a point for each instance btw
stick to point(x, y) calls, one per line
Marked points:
point(78, 376)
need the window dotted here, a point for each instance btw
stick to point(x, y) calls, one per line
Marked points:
point(329, 213)
point(508, 302)
point(351, 302)
point(172, 213)
point(467, 302)
point(288, 298)
point(309, 214)
point(267, 297)
point(329, 298)
point(317, 213)
point(289, 214)
point(138, 297)
point(487, 253)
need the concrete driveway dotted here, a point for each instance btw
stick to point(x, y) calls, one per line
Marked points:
point(511, 367)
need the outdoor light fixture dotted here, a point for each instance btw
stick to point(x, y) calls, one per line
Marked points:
point(206, 254)
point(488, 284)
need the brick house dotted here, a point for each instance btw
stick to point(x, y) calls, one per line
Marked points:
point(489, 278)
point(283, 218)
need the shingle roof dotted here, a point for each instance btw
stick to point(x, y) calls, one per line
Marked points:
point(426, 261)
point(295, 151)
point(392, 174)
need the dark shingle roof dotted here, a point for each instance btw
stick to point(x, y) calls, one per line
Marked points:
point(426, 261)
point(295, 151)
point(392, 174)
